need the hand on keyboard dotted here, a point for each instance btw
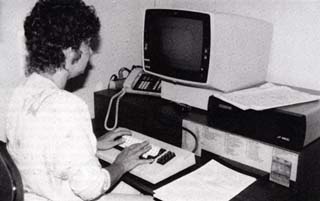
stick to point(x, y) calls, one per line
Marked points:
point(151, 154)
point(112, 138)
point(129, 157)
point(167, 163)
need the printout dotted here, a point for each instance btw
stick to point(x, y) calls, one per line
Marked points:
point(266, 96)
point(211, 182)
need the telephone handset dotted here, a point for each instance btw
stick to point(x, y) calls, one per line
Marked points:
point(137, 82)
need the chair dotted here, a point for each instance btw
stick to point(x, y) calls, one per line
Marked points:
point(11, 188)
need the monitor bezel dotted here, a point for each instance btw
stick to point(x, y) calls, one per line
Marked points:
point(170, 72)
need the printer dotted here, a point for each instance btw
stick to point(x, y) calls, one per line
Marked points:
point(291, 127)
point(258, 140)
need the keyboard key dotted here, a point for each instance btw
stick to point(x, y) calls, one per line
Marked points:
point(166, 157)
point(149, 156)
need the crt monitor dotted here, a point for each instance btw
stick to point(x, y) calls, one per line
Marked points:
point(210, 50)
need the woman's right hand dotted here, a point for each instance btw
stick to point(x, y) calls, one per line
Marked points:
point(112, 138)
point(129, 158)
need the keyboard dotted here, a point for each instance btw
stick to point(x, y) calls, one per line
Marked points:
point(153, 153)
point(168, 159)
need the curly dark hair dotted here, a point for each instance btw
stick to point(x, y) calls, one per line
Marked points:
point(55, 25)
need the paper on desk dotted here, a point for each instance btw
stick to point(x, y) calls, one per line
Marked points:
point(211, 182)
point(266, 96)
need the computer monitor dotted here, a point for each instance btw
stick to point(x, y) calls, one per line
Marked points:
point(207, 50)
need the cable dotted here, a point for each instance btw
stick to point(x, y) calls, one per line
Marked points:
point(118, 96)
point(116, 78)
point(195, 139)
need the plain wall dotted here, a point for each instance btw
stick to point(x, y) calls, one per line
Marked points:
point(295, 52)
point(12, 54)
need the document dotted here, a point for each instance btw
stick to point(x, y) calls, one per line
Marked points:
point(211, 182)
point(266, 96)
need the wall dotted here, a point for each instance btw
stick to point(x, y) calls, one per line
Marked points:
point(12, 14)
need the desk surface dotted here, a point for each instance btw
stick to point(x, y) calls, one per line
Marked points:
point(261, 190)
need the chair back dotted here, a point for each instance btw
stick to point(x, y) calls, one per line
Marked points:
point(11, 188)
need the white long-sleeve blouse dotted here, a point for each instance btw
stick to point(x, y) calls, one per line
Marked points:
point(50, 138)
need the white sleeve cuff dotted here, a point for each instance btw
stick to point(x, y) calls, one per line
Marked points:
point(107, 181)
point(90, 183)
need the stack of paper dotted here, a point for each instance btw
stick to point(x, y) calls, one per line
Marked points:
point(211, 182)
point(265, 97)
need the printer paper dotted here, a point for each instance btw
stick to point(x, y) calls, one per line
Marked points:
point(211, 182)
point(266, 96)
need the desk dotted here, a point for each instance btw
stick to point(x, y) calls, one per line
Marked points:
point(261, 190)
point(162, 119)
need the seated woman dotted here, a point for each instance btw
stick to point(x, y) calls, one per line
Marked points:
point(49, 130)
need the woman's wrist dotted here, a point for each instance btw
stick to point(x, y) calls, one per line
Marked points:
point(116, 171)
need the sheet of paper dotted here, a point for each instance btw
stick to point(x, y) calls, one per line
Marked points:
point(211, 182)
point(266, 96)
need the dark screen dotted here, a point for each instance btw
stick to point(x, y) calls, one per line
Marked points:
point(178, 42)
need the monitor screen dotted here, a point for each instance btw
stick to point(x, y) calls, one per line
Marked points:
point(175, 44)
point(179, 42)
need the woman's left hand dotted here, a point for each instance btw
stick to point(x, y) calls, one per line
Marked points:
point(112, 138)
